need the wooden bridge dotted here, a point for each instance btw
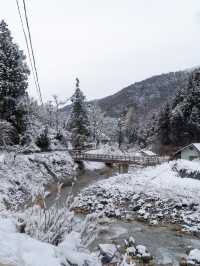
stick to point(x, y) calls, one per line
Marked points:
point(116, 159)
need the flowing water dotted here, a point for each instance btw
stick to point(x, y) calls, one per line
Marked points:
point(164, 243)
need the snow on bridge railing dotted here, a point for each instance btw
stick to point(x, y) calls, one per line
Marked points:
point(117, 158)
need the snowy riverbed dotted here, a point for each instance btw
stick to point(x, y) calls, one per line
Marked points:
point(154, 194)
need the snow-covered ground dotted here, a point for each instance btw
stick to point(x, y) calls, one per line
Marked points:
point(93, 165)
point(25, 176)
point(154, 194)
point(18, 249)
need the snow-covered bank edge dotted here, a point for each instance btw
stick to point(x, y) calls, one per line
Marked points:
point(23, 177)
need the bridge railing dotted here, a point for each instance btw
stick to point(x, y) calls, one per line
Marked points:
point(117, 158)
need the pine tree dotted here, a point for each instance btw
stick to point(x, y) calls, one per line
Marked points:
point(13, 80)
point(78, 122)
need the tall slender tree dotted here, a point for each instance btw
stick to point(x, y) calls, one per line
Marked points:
point(79, 122)
point(164, 125)
point(121, 128)
point(13, 80)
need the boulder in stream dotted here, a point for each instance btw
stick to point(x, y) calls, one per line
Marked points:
point(193, 257)
point(109, 254)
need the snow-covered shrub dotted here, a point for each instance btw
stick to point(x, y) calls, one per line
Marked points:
point(53, 225)
point(17, 194)
point(8, 134)
point(43, 141)
point(49, 225)
point(187, 169)
point(89, 228)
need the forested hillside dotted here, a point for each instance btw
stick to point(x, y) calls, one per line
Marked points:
point(146, 96)
point(178, 122)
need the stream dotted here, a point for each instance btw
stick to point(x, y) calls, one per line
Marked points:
point(164, 242)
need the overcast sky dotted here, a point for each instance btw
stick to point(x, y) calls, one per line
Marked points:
point(108, 44)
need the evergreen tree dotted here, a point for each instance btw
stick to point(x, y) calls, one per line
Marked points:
point(43, 140)
point(131, 122)
point(78, 122)
point(164, 129)
point(121, 128)
point(149, 133)
point(13, 80)
point(194, 123)
point(185, 116)
point(120, 136)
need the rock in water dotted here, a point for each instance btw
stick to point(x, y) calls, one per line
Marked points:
point(131, 251)
point(109, 253)
point(131, 241)
point(143, 253)
point(194, 257)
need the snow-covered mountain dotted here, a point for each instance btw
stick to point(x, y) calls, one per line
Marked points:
point(146, 96)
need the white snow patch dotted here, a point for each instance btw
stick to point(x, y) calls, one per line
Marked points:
point(190, 166)
point(21, 250)
point(194, 255)
point(94, 165)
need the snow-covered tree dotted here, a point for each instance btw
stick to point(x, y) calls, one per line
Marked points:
point(110, 128)
point(13, 80)
point(164, 129)
point(121, 128)
point(43, 140)
point(96, 119)
point(185, 116)
point(7, 133)
point(79, 122)
point(178, 123)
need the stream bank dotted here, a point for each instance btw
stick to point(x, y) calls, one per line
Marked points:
point(165, 242)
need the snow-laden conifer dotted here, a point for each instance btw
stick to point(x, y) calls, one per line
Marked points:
point(78, 122)
point(13, 80)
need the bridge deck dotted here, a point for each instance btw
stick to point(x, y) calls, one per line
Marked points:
point(120, 159)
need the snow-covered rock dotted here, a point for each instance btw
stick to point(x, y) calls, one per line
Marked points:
point(109, 254)
point(107, 249)
point(142, 251)
point(194, 257)
point(131, 251)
